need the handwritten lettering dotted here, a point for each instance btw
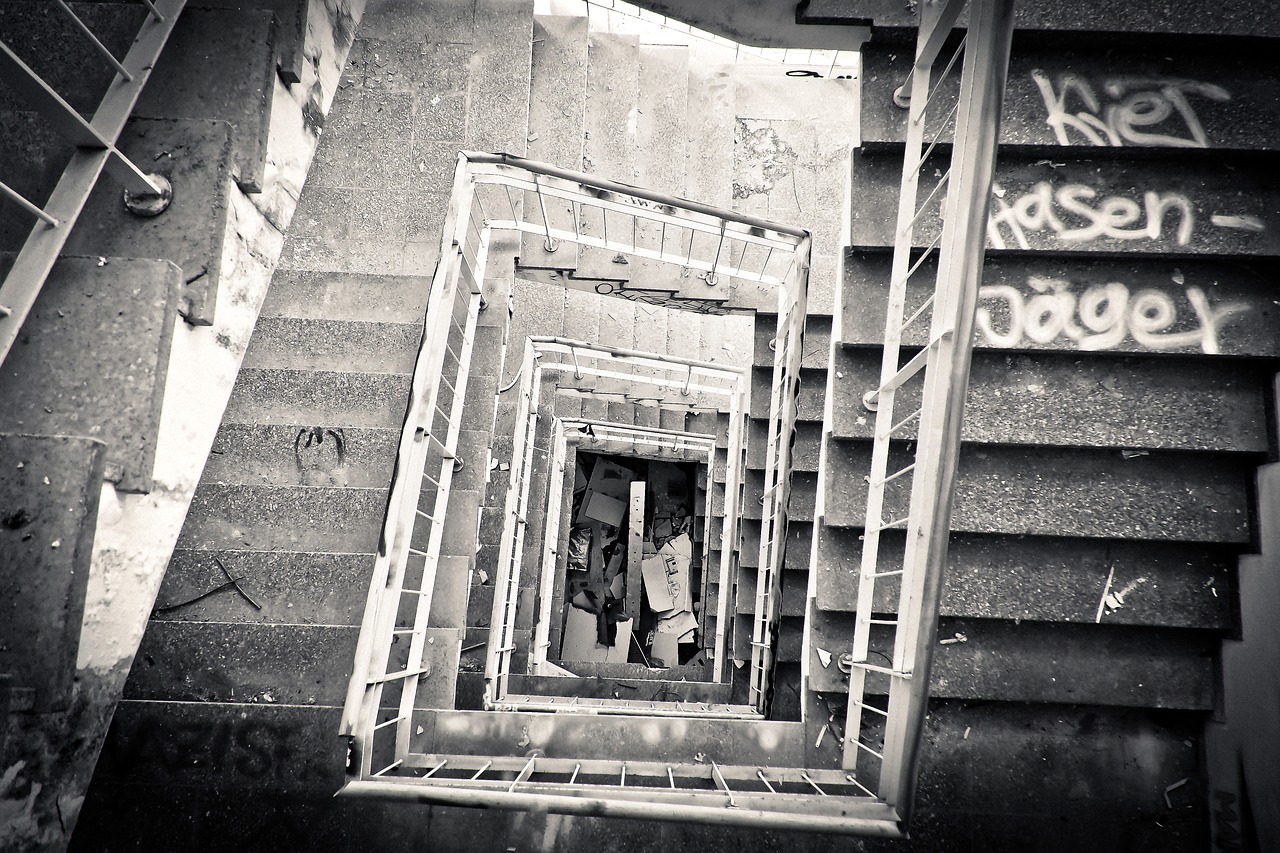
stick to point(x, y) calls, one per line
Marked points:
point(1100, 318)
point(1075, 214)
point(249, 748)
point(1139, 109)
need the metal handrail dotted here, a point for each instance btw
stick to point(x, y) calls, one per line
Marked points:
point(537, 348)
point(95, 141)
point(485, 187)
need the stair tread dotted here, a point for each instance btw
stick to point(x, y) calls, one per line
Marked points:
point(243, 661)
point(1068, 492)
point(220, 64)
point(60, 379)
point(50, 486)
point(1184, 202)
point(294, 343)
point(347, 296)
point(336, 398)
point(1045, 662)
point(291, 518)
point(290, 586)
point(192, 231)
point(1023, 122)
point(300, 454)
point(1238, 295)
point(586, 736)
point(1067, 400)
point(1048, 579)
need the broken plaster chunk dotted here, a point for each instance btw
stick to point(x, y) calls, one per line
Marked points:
point(824, 656)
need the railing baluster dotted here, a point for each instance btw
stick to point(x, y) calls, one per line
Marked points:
point(98, 45)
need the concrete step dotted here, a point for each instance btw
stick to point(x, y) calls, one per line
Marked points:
point(1203, 208)
point(586, 736)
point(221, 64)
point(191, 154)
point(92, 358)
point(557, 97)
point(1148, 305)
point(50, 487)
point(290, 518)
point(290, 587)
point(1049, 579)
point(661, 137)
point(1043, 662)
point(810, 399)
point(272, 741)
point(804, 490)
point(302, 455)
point(292, 343)
point(609, 144)
point(711, 102)
point(804, 451)
point(290, 33)
point(42, 36)
point(641, 687)
point(345, 296)
point(1069, 400)
point(243, 662)
point(799, 543)
point(1189, 497)
point(794, 585)
point(1224, 111)
point(817, 339)
point(268, 396)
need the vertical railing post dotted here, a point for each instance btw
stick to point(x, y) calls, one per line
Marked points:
point(960, 262)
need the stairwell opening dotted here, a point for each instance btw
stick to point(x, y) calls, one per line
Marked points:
point(638, 614)
point(504, 514)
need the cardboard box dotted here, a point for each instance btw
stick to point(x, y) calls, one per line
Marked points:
point(580, 639)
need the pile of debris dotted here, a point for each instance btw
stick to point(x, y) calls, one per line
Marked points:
point(632, 575)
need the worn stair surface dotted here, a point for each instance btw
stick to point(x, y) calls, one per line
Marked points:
point(1118, 406)
point(1116, 415)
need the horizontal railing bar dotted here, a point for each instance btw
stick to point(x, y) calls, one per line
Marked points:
point(883, 670)
point(637, 192)
point(868, 749)
point(896, 474)
point(93, 39)
point(870, 817)
point(900, 424)
point(916, 314)
point(645, 359)
point(26, 205)
point(912, 367)
point(938, 81)
point(872, 708)
point(924, 205)
point(397, 676)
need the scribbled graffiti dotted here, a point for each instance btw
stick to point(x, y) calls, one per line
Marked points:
point(1100, 318)
point(1154, 111)
point(250, 748)
point(1075, 214)
point(1227, 836)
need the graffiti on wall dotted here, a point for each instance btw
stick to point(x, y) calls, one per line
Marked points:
point(1101, 317)
point(1153, 111)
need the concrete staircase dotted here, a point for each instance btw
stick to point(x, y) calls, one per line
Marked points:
point(122, 369)
point(1104, 493)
